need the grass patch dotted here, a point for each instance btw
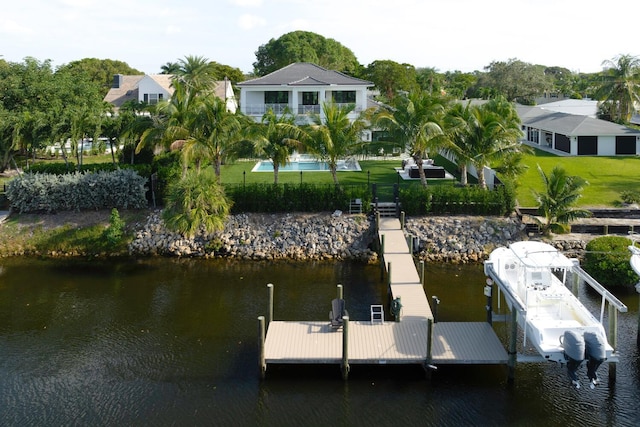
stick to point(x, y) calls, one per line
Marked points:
point(608, 176)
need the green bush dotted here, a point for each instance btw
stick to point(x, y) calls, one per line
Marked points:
point(607, 261)
point(471, 200)
point(78, 191)
point(114, 232)
point(630, 196)
point(295, 197)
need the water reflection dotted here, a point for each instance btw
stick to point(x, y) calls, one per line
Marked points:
point(175, 342)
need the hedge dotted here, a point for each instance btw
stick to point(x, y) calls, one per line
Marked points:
point(77, 191)
point(607, 261)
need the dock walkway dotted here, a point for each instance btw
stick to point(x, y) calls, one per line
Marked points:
point(408, 341)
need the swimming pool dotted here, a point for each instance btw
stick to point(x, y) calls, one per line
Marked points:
point(305, 163)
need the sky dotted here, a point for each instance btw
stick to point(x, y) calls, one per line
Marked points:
point(446, 35)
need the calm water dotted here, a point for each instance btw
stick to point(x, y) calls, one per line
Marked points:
point(166, 342)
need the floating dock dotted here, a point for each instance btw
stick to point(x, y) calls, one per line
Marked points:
point(413, 339)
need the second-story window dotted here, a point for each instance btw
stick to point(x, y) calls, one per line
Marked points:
point(152, 98)
point(276, 97)
point(344, 97)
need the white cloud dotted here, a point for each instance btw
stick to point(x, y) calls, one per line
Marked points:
point(246, 3)
point(172, 29)
point(14, 28)
point(249, 22)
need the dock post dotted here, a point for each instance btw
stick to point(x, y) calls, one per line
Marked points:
point(377, 219)
point(381, 256)
point(340, 292)
point(261, 332)
point(436, 303)
point(410, 242)
point(270, 311)
point(428, 366)
point(389, 275)
point(402, 220)
point(613, 338)
point(345, 347)
point(511, 363)
point(488, 292)
point(575, 279)
point(421, 272)
point(638, 328)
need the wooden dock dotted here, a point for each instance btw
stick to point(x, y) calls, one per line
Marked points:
point(414, 339)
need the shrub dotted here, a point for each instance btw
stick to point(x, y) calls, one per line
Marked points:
point(78, 191)
point(471, 200)
point(607, 261)
point(295, 197)
point(114, 232)
point(630, 196)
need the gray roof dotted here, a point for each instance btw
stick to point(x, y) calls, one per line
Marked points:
point(570, 124)
point(305, 74)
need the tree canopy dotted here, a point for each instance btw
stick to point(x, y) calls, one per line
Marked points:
point(391, 77)
point(517, 80)
point(304, 46)
point(100, 71)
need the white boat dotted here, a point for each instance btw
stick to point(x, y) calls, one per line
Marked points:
point(533, 276)
point(635, 261)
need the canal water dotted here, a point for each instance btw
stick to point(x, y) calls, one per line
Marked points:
point(175, 342)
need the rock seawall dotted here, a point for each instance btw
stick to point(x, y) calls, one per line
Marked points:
point(324, 236)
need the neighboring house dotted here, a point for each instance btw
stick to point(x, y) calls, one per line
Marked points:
point(154, 88)
point(302, 88)
point(575, 134)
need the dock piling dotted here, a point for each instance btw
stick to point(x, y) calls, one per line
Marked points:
point(270, 307)
point(340, 294)
point(345, 347)
point(262, 334)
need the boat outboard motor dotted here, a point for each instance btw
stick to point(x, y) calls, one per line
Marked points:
point(574, 347)
point(596, 353)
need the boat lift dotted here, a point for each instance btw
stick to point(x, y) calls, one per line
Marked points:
point(517, 308)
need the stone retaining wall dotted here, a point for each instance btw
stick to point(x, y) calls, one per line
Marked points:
point(324, 236)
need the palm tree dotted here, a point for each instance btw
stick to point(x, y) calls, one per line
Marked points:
point(620, 87)
point(196, 202)
point(561, 192)
point(492, 136)
point(415, 122)
point(335, 136)
point(276, 137)
point(458, 122)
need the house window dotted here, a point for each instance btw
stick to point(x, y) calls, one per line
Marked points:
point(276, 97)
point(587, 145)
point(152, 98)
point(344, 97)
point(625, 144)
point(563, 143)
point(309, 98)
point(533, 135)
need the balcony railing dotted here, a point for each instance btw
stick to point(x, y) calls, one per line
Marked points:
point(260, 109)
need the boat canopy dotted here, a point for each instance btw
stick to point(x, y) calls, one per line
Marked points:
point(539, 255)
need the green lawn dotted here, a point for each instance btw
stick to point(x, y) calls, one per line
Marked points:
point(607, 177)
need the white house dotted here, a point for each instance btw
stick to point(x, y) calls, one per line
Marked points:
point(577, 135)
point(151, 89)
point(302, 88)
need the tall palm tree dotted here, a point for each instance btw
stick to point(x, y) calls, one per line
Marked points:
point(212, 132)
point(459, 120)
point(415, 121)
point(493, 135)
point(335, 136)
point(276, 137)
point(620, 87)
point(555, 204)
